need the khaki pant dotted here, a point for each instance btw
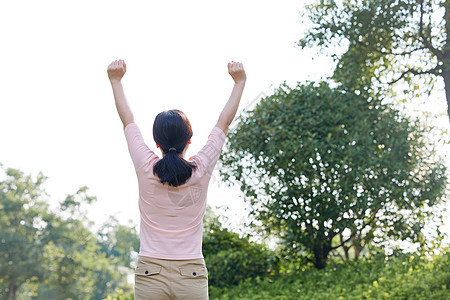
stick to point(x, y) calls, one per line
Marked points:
point(170, 279)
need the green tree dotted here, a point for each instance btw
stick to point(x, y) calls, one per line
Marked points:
point(72, 254)
point(317, 162)
point(120, 245)
point(80, 263)
point(48, 255)
point(389, 41)
point(23, 218)
point(119, 242)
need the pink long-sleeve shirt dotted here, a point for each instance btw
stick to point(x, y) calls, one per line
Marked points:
point(171, 224)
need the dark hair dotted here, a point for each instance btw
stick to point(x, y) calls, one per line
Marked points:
point(172, 131)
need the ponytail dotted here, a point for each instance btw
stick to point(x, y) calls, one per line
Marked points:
point(172, 131)
point(173, 169)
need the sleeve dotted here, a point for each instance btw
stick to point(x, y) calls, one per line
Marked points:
point(139, 152)
point(207, 157)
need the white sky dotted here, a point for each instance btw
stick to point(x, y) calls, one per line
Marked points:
point(57, 113)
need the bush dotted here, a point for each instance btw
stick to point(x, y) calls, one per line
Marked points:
point(231, 259)
point(121, 295)
point(380, 277)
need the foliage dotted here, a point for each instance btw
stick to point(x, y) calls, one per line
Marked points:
point(231, 259)
point(118, 241)
point(389, 41)
point(121, 295)
point(49, 255)
point(23, 218)
point(317, 162)
point(380, 277)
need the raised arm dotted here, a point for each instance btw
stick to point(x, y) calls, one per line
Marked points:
point(237, 72)
point(116, 70)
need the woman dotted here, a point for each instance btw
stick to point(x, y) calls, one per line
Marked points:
point(172, 194)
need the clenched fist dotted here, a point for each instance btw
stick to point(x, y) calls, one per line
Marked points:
point(116, 70)
point(237, 72)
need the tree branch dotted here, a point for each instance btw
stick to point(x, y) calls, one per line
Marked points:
point(425, 41)
point(391, 52)
point(336, 253)
point(353, 234)
point(434, 71)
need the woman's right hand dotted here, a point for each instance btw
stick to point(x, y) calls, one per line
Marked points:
point(237, 72)
point(116, 70)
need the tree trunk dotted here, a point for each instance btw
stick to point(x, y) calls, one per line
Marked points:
point(12, 290)
point(357, 249)
point(446, 76)
point(321, 252)
point(358, 245)
point(345, 248)
point(446, 56)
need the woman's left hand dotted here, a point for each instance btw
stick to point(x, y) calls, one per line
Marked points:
point(116, 70)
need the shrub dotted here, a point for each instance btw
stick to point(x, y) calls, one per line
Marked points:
point(231, 258)
point(380, 277)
